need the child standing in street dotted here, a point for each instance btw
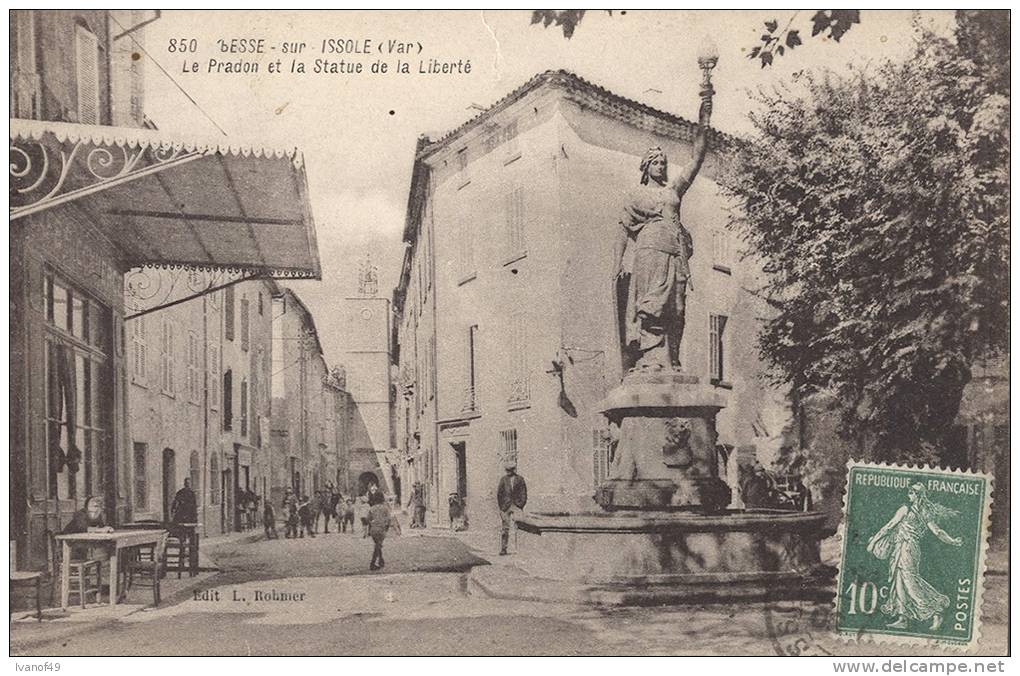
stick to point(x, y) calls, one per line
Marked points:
point(378, 524)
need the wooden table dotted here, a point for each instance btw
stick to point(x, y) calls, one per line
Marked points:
point(113, 542)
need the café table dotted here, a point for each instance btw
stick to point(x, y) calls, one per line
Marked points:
point(114, 542)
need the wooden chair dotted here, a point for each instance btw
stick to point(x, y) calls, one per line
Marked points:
point(86, 575)
point(25, 577)
point(178, 550)
point(146, 567)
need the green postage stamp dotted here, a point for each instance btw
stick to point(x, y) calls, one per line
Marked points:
point(913, 559)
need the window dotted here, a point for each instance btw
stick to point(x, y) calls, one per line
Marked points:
point(139, 350)
point(600, 443)
point(470, 399)
point(462, 160)
point(520, 390)
point(244, 407)
point(508, 446)
point(513, 149)
point(86, 51)
point(76, 380)
point(214, 479)
point(717, 343)
point(245, 328)
point(24, 79)
point(141, 482)
point(261, 308)
point(214, 377)
point(194, 384)
point(228, 313)
point(195, 473)
point(515, 224)
point(167, 357)
point(721, 254)
point(228, 400)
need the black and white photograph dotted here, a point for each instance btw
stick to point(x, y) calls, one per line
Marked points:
point(506, 333)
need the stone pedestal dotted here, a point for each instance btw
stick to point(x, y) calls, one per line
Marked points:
point(664, 455)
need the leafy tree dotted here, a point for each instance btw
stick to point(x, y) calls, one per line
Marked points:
point(879, 205)
point(829, 23)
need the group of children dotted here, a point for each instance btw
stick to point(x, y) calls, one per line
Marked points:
point(301, 515)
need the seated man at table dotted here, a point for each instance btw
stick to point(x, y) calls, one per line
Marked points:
point(184, 508)
point(89, 519)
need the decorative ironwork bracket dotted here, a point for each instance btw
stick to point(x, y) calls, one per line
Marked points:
point(43, 176)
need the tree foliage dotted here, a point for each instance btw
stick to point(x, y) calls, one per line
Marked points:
point(829, 23)
point(879, 205)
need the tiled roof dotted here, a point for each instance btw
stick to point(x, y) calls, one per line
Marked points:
point(611, 104)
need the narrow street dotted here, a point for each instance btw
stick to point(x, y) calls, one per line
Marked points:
point(317, 597)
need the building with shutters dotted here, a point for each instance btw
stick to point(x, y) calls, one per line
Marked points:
point(97, 195)
point(311, 421)
point(504, 310)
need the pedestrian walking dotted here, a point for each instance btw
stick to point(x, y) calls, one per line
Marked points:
point(417, 506)
point(348, 517)
point(269, 521)
point(290, 511)
point(378, 525)
point(361, 514)
point(305, 516)
point(511, 496)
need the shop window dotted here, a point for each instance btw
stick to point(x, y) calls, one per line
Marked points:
point(141, 454)
point(77, 381)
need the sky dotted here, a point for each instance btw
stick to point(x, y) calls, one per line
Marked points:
point(357, 132)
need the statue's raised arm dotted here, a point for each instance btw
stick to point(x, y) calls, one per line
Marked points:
point(686, 176)
point(706, 61)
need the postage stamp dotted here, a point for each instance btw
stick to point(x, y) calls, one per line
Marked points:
point(913, 555)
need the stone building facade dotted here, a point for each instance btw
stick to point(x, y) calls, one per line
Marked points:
point(505, 305)
point(90, 202)
point(310, 426)
point(199, 400)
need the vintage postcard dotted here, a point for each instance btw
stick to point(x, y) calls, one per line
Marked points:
point(509, 332)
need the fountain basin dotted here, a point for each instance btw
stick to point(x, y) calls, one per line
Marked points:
point(677, 548)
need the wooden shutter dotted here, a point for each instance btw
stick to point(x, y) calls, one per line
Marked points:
point(86, 46)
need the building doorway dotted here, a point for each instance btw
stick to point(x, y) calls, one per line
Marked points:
point(460, 467)
point(169, 481)
point(365, 480)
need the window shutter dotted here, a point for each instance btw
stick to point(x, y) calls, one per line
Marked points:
point(87, 61)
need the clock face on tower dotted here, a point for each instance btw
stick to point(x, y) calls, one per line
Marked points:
point(366, 313)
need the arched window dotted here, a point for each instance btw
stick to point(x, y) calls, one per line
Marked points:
point(214, 480)
point(196, 474)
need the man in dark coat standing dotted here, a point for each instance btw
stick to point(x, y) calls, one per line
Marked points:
point(511, 496)
point(184, 508)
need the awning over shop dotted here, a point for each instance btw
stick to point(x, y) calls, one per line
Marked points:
point(171, 202)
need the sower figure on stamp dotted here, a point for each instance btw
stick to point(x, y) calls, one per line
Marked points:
point(652, 271)
point(911, 597)
point(511, 496)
